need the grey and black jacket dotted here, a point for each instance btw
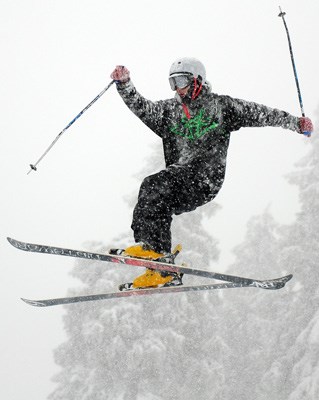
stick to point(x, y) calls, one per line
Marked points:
point(199, 132)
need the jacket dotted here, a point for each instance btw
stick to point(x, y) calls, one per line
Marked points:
point(197, 134)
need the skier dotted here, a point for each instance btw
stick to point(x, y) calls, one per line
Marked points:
point(195, 128)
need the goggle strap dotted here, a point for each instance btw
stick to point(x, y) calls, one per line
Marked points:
point(196, 90)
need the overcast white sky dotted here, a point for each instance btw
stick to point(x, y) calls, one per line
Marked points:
point(56, 57)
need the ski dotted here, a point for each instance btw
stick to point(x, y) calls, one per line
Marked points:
point(138, 262)
point(266, 284)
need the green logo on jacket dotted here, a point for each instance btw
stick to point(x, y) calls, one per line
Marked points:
point(194, 128)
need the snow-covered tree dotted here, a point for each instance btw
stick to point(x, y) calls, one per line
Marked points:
point(250, 325)
point(305, 372)
point(273, 335)
point(302, 254)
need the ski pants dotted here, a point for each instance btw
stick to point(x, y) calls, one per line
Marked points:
point(175, 190)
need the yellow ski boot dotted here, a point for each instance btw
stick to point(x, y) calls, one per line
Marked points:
point(151, 277)
point(141, 251)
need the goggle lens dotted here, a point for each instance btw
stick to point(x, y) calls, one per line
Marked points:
point(180, 81)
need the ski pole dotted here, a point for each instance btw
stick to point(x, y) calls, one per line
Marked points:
point(282, 15)
point(34, 166)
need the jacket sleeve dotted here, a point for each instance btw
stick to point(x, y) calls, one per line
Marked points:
point(240, 113)
point(149, 112)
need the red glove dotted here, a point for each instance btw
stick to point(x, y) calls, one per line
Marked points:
point(120, 74)
point(306, 126)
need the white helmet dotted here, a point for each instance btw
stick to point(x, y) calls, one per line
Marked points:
point(185, 69)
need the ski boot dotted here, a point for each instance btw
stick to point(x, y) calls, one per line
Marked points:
point(152, 278)
point(142, 251)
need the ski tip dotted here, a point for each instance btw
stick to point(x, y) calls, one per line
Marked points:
point(286, 279)
point(281, 282)
point(17, 244)
point(13, 242)
point(35, 303)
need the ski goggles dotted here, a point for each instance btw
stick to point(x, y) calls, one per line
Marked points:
point(180, 81)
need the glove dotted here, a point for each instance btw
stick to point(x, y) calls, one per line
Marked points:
point(306, 126)
point(121, 74)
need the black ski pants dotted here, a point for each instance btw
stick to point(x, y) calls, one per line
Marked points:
point(175, 190)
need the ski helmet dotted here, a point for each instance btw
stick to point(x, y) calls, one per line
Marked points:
point(184, 70)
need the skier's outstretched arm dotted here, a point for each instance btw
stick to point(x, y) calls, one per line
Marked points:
point(151, 113)
point(243, 113)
